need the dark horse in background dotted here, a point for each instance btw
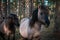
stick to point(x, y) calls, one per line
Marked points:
point(30, 28)
point(8, 26)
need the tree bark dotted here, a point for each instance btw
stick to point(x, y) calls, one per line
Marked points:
point(27, 7)
point(8, 7)
point(30, 8)
point(57, 21)
point(0, 8)
point(22, 8)
point(5, 8)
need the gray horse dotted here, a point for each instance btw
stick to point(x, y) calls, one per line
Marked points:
point(30, 28)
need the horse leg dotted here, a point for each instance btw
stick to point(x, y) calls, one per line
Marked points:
point(22, 38)
point(13, 36)
point(36, 38)
point(2, 35)
point(25, 39)
point(8, 38)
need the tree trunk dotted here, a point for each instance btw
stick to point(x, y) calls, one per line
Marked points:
point(8, 7)
point(30, 8)
point(27, 7)
point(22, 8)
point(0, 8)
point(5, 8)
point(57, 21)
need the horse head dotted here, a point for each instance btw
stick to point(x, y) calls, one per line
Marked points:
point(13, 19)
point(40, 14)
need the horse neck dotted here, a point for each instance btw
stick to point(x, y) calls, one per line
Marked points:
point(37, 26)
point(37, 23)
point(9, 25)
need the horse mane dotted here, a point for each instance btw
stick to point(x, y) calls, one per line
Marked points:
point(35, 14)
point(34, 17)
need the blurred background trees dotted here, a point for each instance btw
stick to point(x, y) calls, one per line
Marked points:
point(24, 8)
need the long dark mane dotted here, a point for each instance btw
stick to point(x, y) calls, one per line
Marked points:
point(35, 14)
point(34, 17)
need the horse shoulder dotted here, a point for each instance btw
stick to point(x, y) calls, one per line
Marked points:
point(24, 27)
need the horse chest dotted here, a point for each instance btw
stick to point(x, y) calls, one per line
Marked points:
point(37, 26)
point(36, 30)
point(4, 29)
point(28, 32)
